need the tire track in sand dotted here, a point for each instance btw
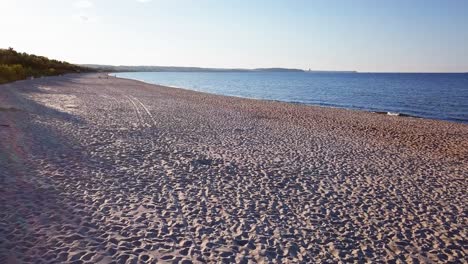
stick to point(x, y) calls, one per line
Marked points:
point(137, 111)
point(175, 199)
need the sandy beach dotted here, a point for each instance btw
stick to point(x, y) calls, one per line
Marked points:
point(96, 170)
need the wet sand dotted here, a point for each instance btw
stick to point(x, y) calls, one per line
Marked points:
point(95, 170)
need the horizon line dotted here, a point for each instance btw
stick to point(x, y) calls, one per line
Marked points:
point(285, 68)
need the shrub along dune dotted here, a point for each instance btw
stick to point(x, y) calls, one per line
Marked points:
point(17, 66)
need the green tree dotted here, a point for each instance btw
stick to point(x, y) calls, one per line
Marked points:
point(16, 66)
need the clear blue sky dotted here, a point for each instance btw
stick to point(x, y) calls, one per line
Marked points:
point(363, 35)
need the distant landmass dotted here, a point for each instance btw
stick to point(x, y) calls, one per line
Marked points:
point(122, 68)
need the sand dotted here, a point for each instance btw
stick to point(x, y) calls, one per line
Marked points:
point(95, 170)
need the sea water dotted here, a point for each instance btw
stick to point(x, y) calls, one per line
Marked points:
point(428, 95)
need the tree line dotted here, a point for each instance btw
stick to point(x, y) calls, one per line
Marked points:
point(18, 66)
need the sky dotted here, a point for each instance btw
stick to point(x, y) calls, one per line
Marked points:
point(361, 35)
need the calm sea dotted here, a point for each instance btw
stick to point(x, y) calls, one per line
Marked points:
point(428, 95)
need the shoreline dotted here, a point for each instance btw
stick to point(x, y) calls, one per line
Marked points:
point(112, 169)
point(359, 109)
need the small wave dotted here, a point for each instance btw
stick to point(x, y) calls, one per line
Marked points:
point(395, 114)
